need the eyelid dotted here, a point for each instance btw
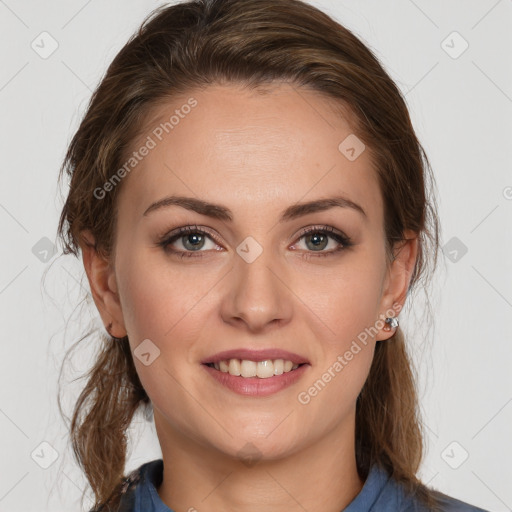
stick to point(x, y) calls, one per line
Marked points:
point(183, 230)
point(323, 228)
point(334, 233)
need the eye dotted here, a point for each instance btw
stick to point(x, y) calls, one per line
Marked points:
point(317, 238)
point(191, 238)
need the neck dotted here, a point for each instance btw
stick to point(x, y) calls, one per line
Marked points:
point(322, 477)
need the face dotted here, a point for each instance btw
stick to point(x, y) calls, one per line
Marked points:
point(246, 276)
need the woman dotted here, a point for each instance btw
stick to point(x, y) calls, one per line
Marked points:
point(251, 204)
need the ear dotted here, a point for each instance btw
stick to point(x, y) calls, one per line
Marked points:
point(398, 277)
point(102, 281)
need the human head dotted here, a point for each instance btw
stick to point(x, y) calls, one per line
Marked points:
point(197, 45)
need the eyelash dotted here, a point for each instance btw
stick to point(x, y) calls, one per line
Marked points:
point(339, 237)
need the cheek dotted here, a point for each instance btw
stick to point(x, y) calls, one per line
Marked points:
point(166, 306)
point(345, 304)
point(346, 349)
point(159, 299)
point(345, 300)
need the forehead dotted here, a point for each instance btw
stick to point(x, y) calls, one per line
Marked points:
point(242, 147)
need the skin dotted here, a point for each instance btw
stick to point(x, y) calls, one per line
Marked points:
point(255, 154)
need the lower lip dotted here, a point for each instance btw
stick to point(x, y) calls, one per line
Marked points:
point(254, 386)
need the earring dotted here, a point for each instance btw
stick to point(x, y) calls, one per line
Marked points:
point(392, 323)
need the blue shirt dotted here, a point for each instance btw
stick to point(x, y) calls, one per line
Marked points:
point(380, 493)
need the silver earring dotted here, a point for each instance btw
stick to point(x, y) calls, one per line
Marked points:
point(392, 323)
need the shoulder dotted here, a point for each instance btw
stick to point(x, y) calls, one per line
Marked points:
point(445, 504)
point(127, 489)
point(125, 492)
point(382, 492)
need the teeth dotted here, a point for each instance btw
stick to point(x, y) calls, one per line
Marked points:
point(265, 369)
point(261, 369)
point(234, 367)
point(278, 367)
point(248, 368)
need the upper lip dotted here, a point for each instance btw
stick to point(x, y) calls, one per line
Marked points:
point(255, 355)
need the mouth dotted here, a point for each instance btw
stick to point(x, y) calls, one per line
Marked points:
point(247, 368)
point(260, 378)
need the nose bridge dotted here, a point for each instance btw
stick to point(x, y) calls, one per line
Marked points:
point(256, 294)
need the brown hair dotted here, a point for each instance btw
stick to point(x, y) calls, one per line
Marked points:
point(252, 43)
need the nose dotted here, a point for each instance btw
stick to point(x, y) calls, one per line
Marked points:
point(257, 297)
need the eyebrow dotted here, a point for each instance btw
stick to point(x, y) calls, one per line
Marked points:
point(217, 211)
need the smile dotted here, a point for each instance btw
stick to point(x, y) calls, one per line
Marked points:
point(262, 369)
point(246, 379)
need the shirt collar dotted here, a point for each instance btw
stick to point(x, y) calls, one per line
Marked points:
point(152, 474)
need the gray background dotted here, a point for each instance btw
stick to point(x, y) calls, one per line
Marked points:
point(461, 106)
